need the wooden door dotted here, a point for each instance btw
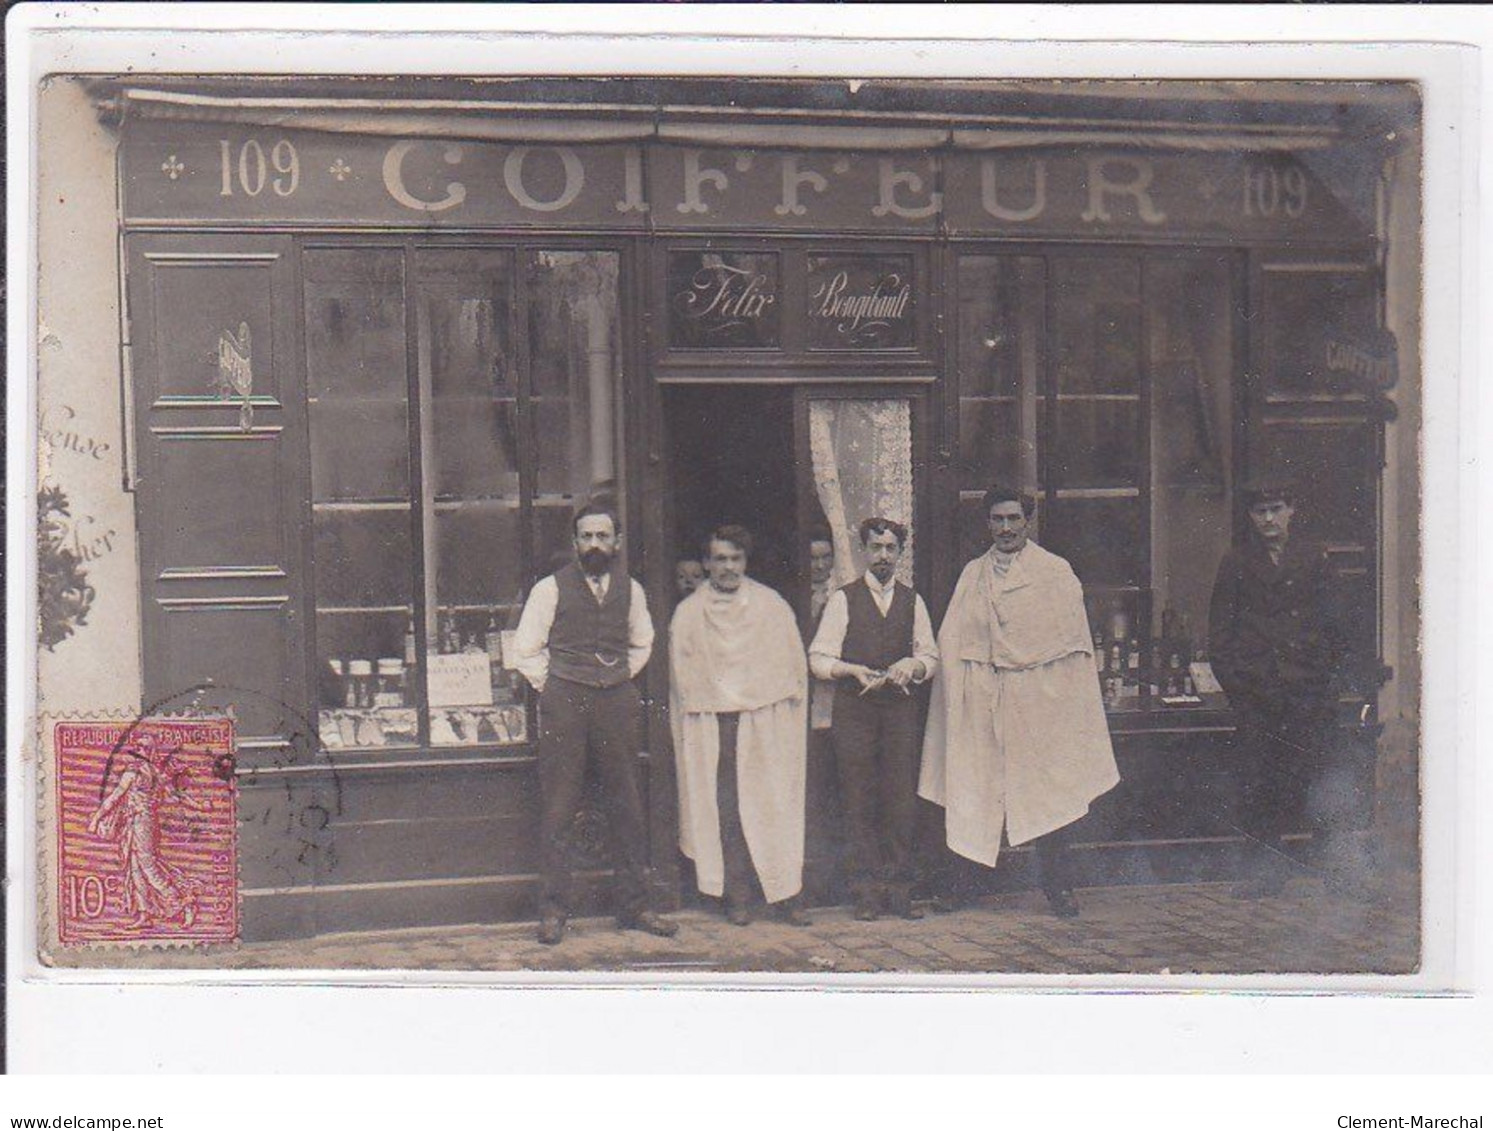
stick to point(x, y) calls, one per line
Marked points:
point(1314, 413)
point(219, 444)
point(858, 456)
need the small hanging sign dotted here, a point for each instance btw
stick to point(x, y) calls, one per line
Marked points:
point(235, 377)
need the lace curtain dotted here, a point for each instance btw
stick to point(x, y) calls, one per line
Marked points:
point(862, 455)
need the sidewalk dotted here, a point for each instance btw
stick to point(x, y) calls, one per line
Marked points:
point(1182, 928)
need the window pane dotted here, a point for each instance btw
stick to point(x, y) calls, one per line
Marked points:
point(470, 514)
point(576, 359)
point(357, 391)
point(861, 302)
point(1190, 350)
point(723, 300)
point(1099, 443)
point(554, 544)
point(1000, 325)
point(1096, 314)
point(1101, 538)
point(992, 447)
point(357, 394)
point(1000, 364)
point(466, 375)
point(1315, 322)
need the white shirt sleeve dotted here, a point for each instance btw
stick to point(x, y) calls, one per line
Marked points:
point(924, 643)
point(531, 641)
point(824, 652)
point(639, 631)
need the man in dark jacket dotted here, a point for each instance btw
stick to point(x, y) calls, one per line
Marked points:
point(1275, 649)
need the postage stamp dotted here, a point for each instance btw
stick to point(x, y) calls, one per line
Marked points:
point(147, 844)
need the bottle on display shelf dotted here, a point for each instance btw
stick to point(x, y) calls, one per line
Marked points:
point(1116, 661)
point(1133, 658)
point(492, 642)
point(1098, 652)
point(359, 683)
point(410, 653)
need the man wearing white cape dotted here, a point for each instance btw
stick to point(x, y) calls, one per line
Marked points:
point(1016, 740)
point(739, 716)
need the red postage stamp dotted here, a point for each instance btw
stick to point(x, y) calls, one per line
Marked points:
point(147, 844)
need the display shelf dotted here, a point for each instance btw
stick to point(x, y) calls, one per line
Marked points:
point(329, 506)
point(355, 610)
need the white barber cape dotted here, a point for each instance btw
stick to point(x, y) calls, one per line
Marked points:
point(741, 653)
point(1016, 735)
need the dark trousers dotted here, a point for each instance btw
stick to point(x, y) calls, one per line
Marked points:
point(960, 880)
point(1054, 862)
point(877, 741)
point(741, 885)
point(824, 830)
point(1285, 756)
point(576, 724)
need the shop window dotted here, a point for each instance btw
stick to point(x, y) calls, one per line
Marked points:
point(445, 471)
point(1190, 351)
point(1102, 384)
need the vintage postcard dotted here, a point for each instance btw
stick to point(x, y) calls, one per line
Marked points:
point(688, 525)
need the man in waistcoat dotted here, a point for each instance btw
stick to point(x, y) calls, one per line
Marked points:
point(875, 642)
point(584, 635)
point(1276, 647)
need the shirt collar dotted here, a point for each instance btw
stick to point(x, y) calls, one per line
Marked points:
point(876, 586)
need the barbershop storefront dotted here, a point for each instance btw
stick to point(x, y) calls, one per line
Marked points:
point(377, 350)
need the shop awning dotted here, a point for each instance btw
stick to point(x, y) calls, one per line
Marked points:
point(528, 123)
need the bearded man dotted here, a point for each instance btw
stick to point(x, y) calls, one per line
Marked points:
point(583, 637)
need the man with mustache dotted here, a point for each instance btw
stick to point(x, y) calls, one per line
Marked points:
point(875, 642)
point(1017, 742)
point(584, 636)
point(1275, 648)
point(739, 714)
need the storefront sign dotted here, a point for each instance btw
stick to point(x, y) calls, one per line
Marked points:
point(203, 171)
point(858, 302)
point(1372, 361)
point(723, 300)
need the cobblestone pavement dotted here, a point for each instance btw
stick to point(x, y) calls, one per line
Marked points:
point(1182, 928)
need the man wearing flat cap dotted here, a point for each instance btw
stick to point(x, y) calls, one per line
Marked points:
point(1275, 649)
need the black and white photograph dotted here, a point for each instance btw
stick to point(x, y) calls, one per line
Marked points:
point(676, 527)
point(756, 526)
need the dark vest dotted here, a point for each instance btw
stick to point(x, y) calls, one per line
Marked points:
point(870, 638)
point(588, 641)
